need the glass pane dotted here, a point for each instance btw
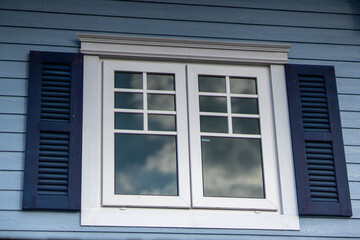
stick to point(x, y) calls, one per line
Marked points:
point(133, 121)
point(244, 105)
point(145, 164)
point(160, 82)
point(162, 122)
point(128, 80)
point(243, 85)
point(161, 102)
point(213, 104)
point(212, 84)
point(128, 100)
point(246, 125)
point(232, 167)
point(213, 124)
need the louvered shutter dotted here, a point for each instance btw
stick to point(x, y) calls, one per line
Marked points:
point(52, 173)
point(319, 159)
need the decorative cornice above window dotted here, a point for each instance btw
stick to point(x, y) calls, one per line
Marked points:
point(183, 49)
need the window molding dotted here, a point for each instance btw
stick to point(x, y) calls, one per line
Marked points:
point(183, 49)
point(96, 48)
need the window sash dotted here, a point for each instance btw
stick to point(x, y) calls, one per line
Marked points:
point(109, 198)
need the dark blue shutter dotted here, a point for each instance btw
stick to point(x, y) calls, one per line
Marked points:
point(52, 173)
point(319, 158)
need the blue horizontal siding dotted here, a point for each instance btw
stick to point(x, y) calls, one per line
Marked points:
point(321, 32)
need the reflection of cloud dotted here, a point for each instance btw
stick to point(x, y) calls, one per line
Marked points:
point(162, 122)
point(152, 172)
point(161, 102)
point(232, 167)
point(160, 82)
point(243, 85)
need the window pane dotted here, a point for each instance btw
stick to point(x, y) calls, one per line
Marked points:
point(162, 122)
point(244, 105)
point(128, 80)
point(128, 100)
point(243, 85)
point(211, 84)
point(214, 124)
point(161, 102)
point(232, 167)
point(213, 104)
point(246, 125)
point(160, 82)
point(145, 164)
point(133, 121)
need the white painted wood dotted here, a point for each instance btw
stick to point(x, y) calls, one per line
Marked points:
point(171, 49)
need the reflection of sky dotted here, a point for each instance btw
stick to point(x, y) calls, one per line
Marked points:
point(232, 167)
point(211, 84)
point(243, 85)
point(145, 164)
point(160, 82)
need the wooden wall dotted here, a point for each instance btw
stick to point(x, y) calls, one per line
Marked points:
point(320, 32)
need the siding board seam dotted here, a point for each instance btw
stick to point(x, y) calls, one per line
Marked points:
point(184, 20)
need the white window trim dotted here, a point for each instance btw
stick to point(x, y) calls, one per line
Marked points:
point(99, 47)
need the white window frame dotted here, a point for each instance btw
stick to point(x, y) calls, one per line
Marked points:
point(109, 198)
point(96, 212)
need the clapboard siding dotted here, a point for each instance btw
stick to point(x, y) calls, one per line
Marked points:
point(203, 14)
point(327, 6)
point(12, 123)
point(11, 161)
point(12, 105)
point(99, 24)
point(325, 32)
point(68, 221)
point(12, 142)
point(13, 87)
point(352, 154)
point(18, 52)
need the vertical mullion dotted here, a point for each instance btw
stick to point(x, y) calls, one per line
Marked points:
point(146, 127)
point(228, 104)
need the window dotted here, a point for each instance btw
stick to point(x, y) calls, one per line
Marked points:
point(158, 118)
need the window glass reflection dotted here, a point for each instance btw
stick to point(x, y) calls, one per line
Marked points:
point(244, 105)
point(232, 167)
point(246, 125)
point(128, 100)
point(213, 104)
point(161, 102)
point(213, 124)
point(159, 122)
point(212, 84)
point(128, 80)
point(132, 121)
point(160, 82)
point(145, 164)
point(243, 85)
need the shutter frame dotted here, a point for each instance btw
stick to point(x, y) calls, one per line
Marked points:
point(307, 203)
point(69, 195)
